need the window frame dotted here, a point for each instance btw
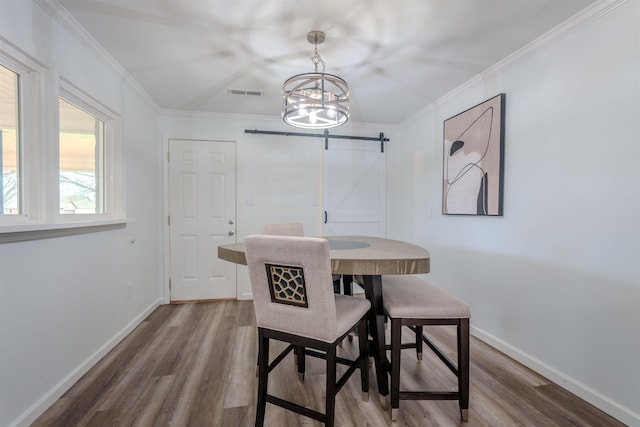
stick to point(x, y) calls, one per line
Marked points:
point(113, 196)
point(18, 142)
point(28, 145)
point(40, 88)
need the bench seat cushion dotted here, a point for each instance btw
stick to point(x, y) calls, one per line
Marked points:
point(411, 297)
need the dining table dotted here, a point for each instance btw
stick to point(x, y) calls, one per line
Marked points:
point(367, 258)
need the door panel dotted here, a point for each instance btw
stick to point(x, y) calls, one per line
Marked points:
point(354, 189)
point(202, 204)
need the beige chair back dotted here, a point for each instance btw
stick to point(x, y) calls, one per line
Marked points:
point(287, 229)
point(292, 285)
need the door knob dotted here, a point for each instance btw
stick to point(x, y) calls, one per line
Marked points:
point(230, 222)
point(231, 232)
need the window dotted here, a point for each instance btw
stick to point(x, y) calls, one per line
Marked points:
point(81, 171)
point(9, 142)
point(60, 153)
point(88, 163)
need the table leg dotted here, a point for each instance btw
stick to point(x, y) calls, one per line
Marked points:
point(373, 292)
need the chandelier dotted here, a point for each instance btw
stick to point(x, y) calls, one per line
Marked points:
point(315, 100)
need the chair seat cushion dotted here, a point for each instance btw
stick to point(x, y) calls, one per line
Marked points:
point(411, 297)
point(348, 311)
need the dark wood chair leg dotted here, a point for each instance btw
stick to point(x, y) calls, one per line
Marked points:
point(381, 365)
point(419, 342)
point(347, 284)
point(330, 398)
point(396, 346)
point(300, 357)
point(347, 288)
point(336, 286)
point(363, 345)
point(263, 367)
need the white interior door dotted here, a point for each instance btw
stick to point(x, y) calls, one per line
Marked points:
point(202, 215)
point(354, 188)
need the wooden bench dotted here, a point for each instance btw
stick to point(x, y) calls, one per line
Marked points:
point(412, 301)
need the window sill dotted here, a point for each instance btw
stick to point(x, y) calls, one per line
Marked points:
point(17, 233)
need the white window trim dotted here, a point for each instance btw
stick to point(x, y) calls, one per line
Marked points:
point(112, 174)
point(40, 217)
point(30, 111)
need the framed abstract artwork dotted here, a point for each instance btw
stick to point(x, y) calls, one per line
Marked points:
point(474, 160)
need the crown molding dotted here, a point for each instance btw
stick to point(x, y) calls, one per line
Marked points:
point(556, 34)
point(551, 37)
point(73, 27)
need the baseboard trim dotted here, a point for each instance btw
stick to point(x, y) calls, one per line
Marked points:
point(245, 296)
point(40, 406)
point(597, 399)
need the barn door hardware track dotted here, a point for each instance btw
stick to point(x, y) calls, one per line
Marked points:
point(324, 135)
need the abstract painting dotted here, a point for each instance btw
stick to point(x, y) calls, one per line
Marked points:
point(474, 160)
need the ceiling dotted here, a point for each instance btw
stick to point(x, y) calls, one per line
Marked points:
point(398, 56)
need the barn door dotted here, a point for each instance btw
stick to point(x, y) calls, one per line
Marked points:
point(354, 188)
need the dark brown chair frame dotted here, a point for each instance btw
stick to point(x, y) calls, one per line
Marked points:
point(308, 346)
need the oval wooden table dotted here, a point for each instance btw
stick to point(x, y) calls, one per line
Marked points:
point(371, 258)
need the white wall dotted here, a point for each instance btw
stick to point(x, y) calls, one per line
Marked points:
point(65, 300)
point(281, 175)
point(555, 282)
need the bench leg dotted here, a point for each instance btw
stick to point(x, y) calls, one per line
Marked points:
point(463, 367)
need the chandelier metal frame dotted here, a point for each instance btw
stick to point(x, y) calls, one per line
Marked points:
point(315, 100)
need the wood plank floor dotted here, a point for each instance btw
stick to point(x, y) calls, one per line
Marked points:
point(194, 365)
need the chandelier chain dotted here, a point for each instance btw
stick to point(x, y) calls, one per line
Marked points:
point(317, 59)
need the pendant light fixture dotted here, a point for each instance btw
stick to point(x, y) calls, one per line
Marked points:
point(315, 100)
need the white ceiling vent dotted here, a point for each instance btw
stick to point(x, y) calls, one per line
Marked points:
point(244, 92)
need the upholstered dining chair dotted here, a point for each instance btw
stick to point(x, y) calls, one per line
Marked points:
point(291, 284)
point(297, 229)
